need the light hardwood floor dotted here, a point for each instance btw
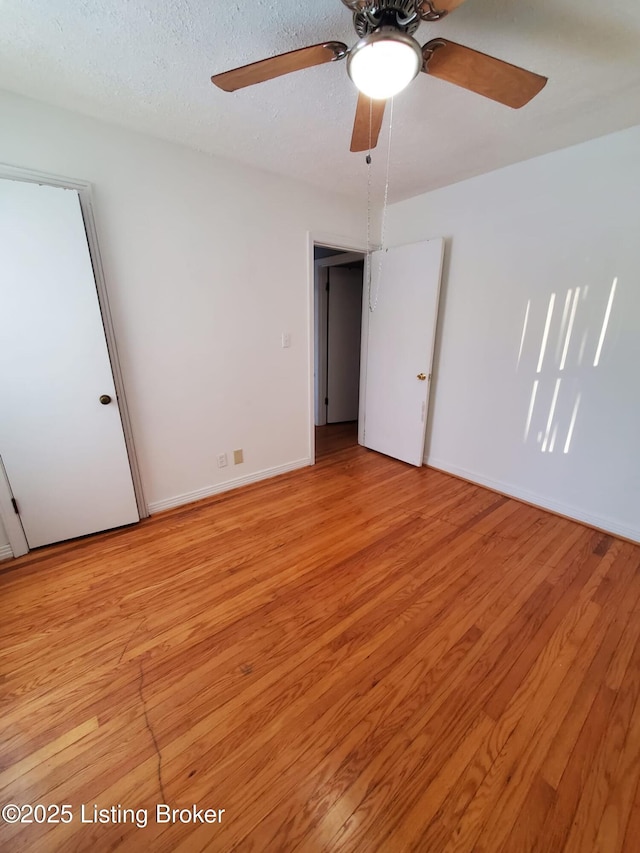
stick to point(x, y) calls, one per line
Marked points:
point(357, 656)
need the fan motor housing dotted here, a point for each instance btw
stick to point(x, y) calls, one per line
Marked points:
point(397, 13)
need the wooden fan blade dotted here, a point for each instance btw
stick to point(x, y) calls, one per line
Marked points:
point(448, 5)
point(276, 66)
point(436, 6)
point(480, 73)
point(369, 113)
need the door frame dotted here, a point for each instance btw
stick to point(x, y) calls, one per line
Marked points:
point(17, 539)
point(347, 245)
point(321, 314)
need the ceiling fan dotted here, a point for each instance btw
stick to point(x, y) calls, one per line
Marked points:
point(387, 58)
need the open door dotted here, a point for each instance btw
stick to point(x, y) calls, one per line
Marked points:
point(61, 438)
point(400, 332)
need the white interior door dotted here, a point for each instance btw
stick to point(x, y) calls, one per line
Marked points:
point(400, 338)
point(63, 450)
point(344, 321)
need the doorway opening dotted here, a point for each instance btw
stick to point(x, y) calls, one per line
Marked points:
point(338, 289)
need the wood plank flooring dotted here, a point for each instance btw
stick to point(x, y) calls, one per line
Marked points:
point(357, 656)
point(333, 438)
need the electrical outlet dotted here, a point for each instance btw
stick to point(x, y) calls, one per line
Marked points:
point(222, 460)
point(286, 340)
point(238, 457)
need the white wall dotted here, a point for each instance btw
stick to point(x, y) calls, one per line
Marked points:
point(206, 265)
point(563, 221)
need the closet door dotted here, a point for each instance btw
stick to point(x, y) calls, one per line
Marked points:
point(61, 437)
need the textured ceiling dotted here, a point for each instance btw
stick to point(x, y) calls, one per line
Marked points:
point(146, 65)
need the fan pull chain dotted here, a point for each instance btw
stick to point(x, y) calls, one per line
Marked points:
point(368, 256)
point(373, 307)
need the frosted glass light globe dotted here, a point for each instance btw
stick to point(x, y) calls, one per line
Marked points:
point(383, 63)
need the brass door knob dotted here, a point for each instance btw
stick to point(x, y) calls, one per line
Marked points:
point(422, 376)
point(105, 399)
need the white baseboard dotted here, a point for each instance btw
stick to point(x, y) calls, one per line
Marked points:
point(190, 497)
point(5, 552)
point(601, 522)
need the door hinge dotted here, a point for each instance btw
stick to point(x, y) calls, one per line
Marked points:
point(14, 504)
point(326, 401)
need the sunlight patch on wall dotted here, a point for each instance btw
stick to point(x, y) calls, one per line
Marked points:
point(572, 423)
point(552, 410)
point(605, 322)
point(532, 403)
point(545, 336)
point(524, 331)
point(569, 357)
point(569, 329)
point(563, 323)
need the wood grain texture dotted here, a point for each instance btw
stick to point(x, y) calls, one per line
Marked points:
point(485, 75)
point(357, 656)
point(442, 5)
point(367, 123)
point(277, 66)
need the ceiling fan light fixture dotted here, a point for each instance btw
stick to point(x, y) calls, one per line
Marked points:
point(384, 62)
